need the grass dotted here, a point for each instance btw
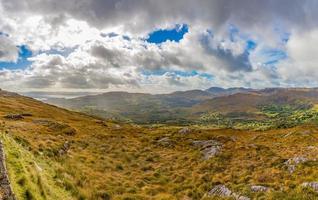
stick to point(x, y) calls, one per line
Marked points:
point(109, 160)
point(31, 178)
point(268, 117)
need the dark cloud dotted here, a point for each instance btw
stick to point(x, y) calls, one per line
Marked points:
point(147, 14)
point(228, 60)
point(107, 60)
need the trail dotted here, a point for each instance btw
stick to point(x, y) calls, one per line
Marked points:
point(6, 192)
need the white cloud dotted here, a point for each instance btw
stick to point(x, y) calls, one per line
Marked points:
point(96, 61)
point(8, 50)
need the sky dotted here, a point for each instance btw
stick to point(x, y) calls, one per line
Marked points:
point(157, 46)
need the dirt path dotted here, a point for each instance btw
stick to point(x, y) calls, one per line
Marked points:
point(6, 192)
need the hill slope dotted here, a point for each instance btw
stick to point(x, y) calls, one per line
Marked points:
point(144, 108)
point(189, 107)
point(53, 153)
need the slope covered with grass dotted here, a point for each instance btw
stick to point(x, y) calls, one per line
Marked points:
point(31, 177)
point(53, 153)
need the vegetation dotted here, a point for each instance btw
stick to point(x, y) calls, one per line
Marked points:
point(31, 177)
point(268, 117)
point(54, 153)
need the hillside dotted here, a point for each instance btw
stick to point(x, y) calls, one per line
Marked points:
point(235, 107)
point(144, 108)
point(53, 153)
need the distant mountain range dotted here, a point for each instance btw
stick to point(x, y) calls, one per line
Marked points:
point(187, 106)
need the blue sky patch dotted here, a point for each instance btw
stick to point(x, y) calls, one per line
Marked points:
point(176, 34)
point(177, 72)
point(273, 56)
point(250, 45)
point(22, 63)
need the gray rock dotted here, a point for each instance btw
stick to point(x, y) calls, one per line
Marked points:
point(184, 130)
point(293, 162)
point(209, 148)
point(14, 116)
point(313, 185)
point(259, 188)
point(220, 190)
point(116, 126)
point(307, 132)
point(223, 191)
point(165, 142)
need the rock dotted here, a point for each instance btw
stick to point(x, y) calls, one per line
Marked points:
point(66, 145)
point(313, 185)
point(223, 191)
point(165, 142)
point(259, 188)
point(208, 148)
point(220, 190)
point(293, 162)
point(116, 126)
point(14, 116)
point(184, 130)
point(307, 132)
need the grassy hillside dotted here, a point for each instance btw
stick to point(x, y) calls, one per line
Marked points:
point(233, 108)
point(58, 154)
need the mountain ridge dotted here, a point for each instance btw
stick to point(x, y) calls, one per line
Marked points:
point(186, 106)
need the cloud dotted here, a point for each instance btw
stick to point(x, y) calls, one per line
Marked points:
point(99, 56)
point(8, 51)
point(301, 66)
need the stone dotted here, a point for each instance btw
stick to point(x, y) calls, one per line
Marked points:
point(313, 185)
point(165, 142)
point(220, 190)
point(117, 127)
point(293, 162)
point(209, 148)
point(223, 191)
point(184, 130)
point(14, 116)
point(259, 188)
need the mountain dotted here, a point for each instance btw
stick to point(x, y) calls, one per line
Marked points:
point(53, 153)
point(141, 107)
point(188, 107)
point(217, 91)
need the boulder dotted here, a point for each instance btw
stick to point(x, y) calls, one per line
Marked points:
point(220, 190)
point(165, 142)
point(116, 126)
point(184, 130)
point(313, 185)
point(223, 191)
point(259, 188)
point(293, 162)
point(14, 116)
point(209, 148)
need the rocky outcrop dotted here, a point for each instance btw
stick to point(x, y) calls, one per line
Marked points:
point(259, 188)
point(185, 130)
point(209, 148)
point(312, 185)
point(166, 142)
point(116, 126)
point(66, 146)
point(223, 191)
point(14, 116)
point(6, 192)
point(293, 162)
